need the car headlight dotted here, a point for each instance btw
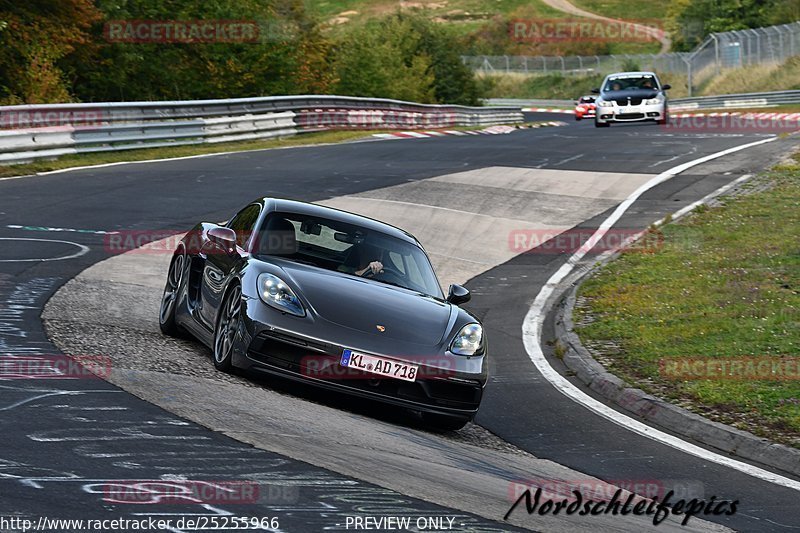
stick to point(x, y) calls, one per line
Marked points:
point(654, 101)
point(469, 340)
point(604, 103)
point(274, 292)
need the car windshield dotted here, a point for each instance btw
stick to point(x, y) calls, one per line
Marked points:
point(347, 248)
point(626, 83)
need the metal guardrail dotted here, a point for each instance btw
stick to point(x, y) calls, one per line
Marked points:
point(740, 101)
point(34, 132)
point(724, 101)
point(533, 102)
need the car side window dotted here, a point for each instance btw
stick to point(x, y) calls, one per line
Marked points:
point(397, 261)
point(244, 223)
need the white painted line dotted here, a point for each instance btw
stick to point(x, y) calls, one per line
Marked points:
point(63, 230)
point(81, 250)
point(532, 326)
point(722, 190)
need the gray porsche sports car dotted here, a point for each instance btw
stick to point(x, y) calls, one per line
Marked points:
point(330, 298)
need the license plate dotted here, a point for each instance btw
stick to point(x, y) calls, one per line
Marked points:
point(379, 365)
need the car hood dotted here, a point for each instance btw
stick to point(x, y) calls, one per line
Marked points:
point(633, 94)
point(364, 305)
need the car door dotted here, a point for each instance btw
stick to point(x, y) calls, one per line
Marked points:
point(219, 263)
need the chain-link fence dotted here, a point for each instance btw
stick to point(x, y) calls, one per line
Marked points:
point(672, 62)
point(719, 51)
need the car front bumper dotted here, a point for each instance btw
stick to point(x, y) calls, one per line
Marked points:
point(447, 384)
point(633, 113)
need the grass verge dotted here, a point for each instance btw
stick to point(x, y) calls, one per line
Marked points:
point(558, 86)
point(788, 108)
point(649, 11)
point(167, 152)
point(726, 285)
point(755, 78)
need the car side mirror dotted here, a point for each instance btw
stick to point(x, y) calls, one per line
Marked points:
point(223, 237)
point(596, 90)
point(458, 295)
point(666, 87)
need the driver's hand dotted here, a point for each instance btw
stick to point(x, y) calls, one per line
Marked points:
point(376, 267)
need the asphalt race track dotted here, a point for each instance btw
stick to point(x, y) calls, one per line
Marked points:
point(320, 458)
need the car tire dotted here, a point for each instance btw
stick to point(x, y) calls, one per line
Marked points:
point(226, 328)
point(169, 300)
point(443, 422)
point(601, 124)
point(577, 118)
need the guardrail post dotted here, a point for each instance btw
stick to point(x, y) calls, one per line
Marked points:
point(688, 74)
point(716, 52)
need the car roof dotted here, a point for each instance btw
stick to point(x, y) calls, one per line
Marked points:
point(633, 73)
point(304, 208)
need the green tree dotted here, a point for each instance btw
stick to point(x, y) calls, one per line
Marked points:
point(289, 57)
point(453, 82)
point(407, 57)
point(383, 59)
point(690, 21)
point(36, 36)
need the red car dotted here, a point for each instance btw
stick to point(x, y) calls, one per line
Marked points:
point(584, 107)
